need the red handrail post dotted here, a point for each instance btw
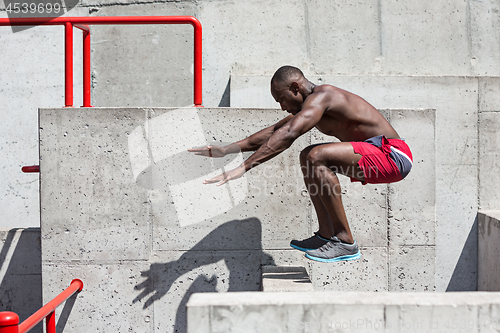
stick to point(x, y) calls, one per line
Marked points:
point(68, 68)
point(86, 69)
point(68, 23)
point(9, 322)
point(198, 93)
point(86, 64)
point(50, 323)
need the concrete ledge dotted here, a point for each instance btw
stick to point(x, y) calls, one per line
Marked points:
point(285, 279)
point(343, 311)
point(489, 250)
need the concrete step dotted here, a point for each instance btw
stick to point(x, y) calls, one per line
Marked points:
point(348, 312)
point(285, 278)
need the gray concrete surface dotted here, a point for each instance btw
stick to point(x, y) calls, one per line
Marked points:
point(425, 55)
point(125, 210)
point(285, 279)
point(489, 250)
point(348, 312)
point(489, 137)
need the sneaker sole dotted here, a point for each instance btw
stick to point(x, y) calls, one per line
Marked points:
point(300, 248)
point(342, 258)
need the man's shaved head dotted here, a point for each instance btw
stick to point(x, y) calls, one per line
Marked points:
point(285, 74)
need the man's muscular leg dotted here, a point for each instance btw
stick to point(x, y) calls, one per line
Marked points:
point(323, 185)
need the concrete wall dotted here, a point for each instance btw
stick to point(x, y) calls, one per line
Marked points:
point(125, 210)
point(453, 45)
point(344, 312)
point(374, 38)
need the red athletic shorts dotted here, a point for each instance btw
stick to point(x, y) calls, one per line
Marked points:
point(383, 160)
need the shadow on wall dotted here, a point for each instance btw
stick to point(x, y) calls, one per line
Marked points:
point(21, 273)
point(467, 265)
point(243, 267)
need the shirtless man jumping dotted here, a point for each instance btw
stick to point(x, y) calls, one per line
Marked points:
point(371, 151)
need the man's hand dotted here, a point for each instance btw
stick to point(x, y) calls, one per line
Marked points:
point(210, 151)
point(226, 176)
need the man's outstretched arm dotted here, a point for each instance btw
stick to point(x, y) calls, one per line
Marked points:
point(279, 141)
point(251, 143)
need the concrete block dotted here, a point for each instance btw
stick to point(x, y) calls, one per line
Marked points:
point(366, 274)
point(349, 28)
point(484, 44)
point(173, 276)
point(412, 268)
point(142, 65)
point(488, 250)
point(407, 28)
point(268, 201)
point(489, 92)
point(489, 137)
point(285, 279)
point(412, 201)
point(344, 312)
point(252, 90)
point(248, 46)
point(106, 303)
point(88, 190)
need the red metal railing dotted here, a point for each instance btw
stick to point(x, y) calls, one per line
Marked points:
point(82, 22)
point(9, 321)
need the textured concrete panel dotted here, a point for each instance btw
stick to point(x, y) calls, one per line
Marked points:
point(489, 137)
point(106, 303)
point(489, 94)
point(488, 250)
point(88, 191)
point(271, 208)
point(252, 90)
point(344, 312)
point(349, 28)
point(249, 37)
point(412, 268)
point(409, 28)
point(143, 65)
point(484, 37)
point(174, 276)
point(366, 274)
point(412, 202)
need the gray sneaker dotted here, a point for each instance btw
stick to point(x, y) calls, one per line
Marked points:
point(311, 243)
point(334, 250)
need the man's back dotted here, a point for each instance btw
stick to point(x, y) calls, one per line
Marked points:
point(348, 116)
